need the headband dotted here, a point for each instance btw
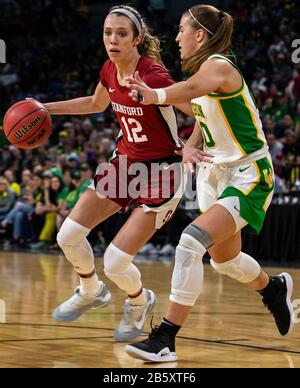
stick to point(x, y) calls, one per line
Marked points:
point(200, 23)
point(131, 16)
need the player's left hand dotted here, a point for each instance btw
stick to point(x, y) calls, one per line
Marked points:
point(140, 91)
point(192, 155)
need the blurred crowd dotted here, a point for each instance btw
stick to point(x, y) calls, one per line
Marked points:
point(61, 59)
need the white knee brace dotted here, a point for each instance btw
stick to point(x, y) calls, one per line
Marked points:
point(118, 267)
point(187, 279)
point(72, 240)
point(242, 268)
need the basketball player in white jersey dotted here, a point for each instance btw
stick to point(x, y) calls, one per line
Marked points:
point(234, 192)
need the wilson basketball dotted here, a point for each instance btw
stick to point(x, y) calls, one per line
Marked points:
point(27, 124)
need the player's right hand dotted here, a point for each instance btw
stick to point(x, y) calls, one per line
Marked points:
point(140, 91)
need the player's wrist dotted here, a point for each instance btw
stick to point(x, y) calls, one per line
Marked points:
point(161, 96)
point(48, 106)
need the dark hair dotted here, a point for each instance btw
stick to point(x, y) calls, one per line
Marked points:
point(85, 167)
point(76, 175)
point(220, 25)
point(150, 45)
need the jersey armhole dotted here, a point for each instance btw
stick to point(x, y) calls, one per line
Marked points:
point(219, 56)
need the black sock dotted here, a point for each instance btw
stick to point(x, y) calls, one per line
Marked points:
point(169, 327)
point(270, 291)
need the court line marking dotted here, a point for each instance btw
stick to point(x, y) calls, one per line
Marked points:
point(216, 342)
point(156, 312)
point(231, 343)
point(53, 339)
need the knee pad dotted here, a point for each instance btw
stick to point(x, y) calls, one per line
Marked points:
point(118, 267)
point(72, 240)
point(71, 233)
point(242, 268)
point(187, 279)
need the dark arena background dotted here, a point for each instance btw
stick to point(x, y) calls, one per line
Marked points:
point(52, 50)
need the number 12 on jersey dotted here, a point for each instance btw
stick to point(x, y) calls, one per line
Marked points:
point(133, 129)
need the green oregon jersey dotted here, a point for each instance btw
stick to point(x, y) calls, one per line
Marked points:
point(230, 123)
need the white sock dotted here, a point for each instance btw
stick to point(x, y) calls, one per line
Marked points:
point(138, 300)
point(91, 286)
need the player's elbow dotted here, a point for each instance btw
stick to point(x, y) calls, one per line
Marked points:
point(193, 90)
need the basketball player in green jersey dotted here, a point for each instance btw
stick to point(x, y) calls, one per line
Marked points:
point(234, 192)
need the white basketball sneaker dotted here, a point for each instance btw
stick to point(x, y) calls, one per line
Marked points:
point(133, 320)
point(78, 304)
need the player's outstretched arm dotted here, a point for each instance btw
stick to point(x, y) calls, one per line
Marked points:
point(98, 102)
point(208, 79)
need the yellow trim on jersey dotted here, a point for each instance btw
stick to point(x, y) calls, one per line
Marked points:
point(267, 202)
point(268, 199)
point(252, 117)
point(230, 129)
point(255, 183)
point(226, 97)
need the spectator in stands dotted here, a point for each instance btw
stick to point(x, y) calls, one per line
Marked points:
point(19, 217)
point(26, 180)
point(9, 175)
point(86, 175)
point(291, 149)
point(275, 146)
point(55, 193)
point(277, 107)
point(79, 186)
point(7, 198)
point(259, 83)
point(288, 123)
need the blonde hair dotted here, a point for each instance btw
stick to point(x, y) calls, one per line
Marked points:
point(150, 45)
point(4, 180)
point(217, 25)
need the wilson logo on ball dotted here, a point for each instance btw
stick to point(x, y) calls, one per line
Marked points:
point(37, 138)
point(26, 128)
point(27, 124)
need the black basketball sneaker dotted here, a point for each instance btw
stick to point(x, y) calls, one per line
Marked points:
point(158, 347)
point(281, 305)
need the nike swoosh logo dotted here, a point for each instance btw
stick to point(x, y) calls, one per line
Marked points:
point(111, 90)
point(139, 324)
point(244, 169)
point(168, 166)
point(165, 352)
point(238, 210)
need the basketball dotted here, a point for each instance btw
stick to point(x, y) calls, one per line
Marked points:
point(27, 124)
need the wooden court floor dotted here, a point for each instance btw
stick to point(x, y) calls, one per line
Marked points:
point(229, 326)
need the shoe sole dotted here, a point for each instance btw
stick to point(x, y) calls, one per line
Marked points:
point(289, 286)
point(138, 332)
point(150, 357)
point(76, 316)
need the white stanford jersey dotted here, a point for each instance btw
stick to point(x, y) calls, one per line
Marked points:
point(147, 132)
